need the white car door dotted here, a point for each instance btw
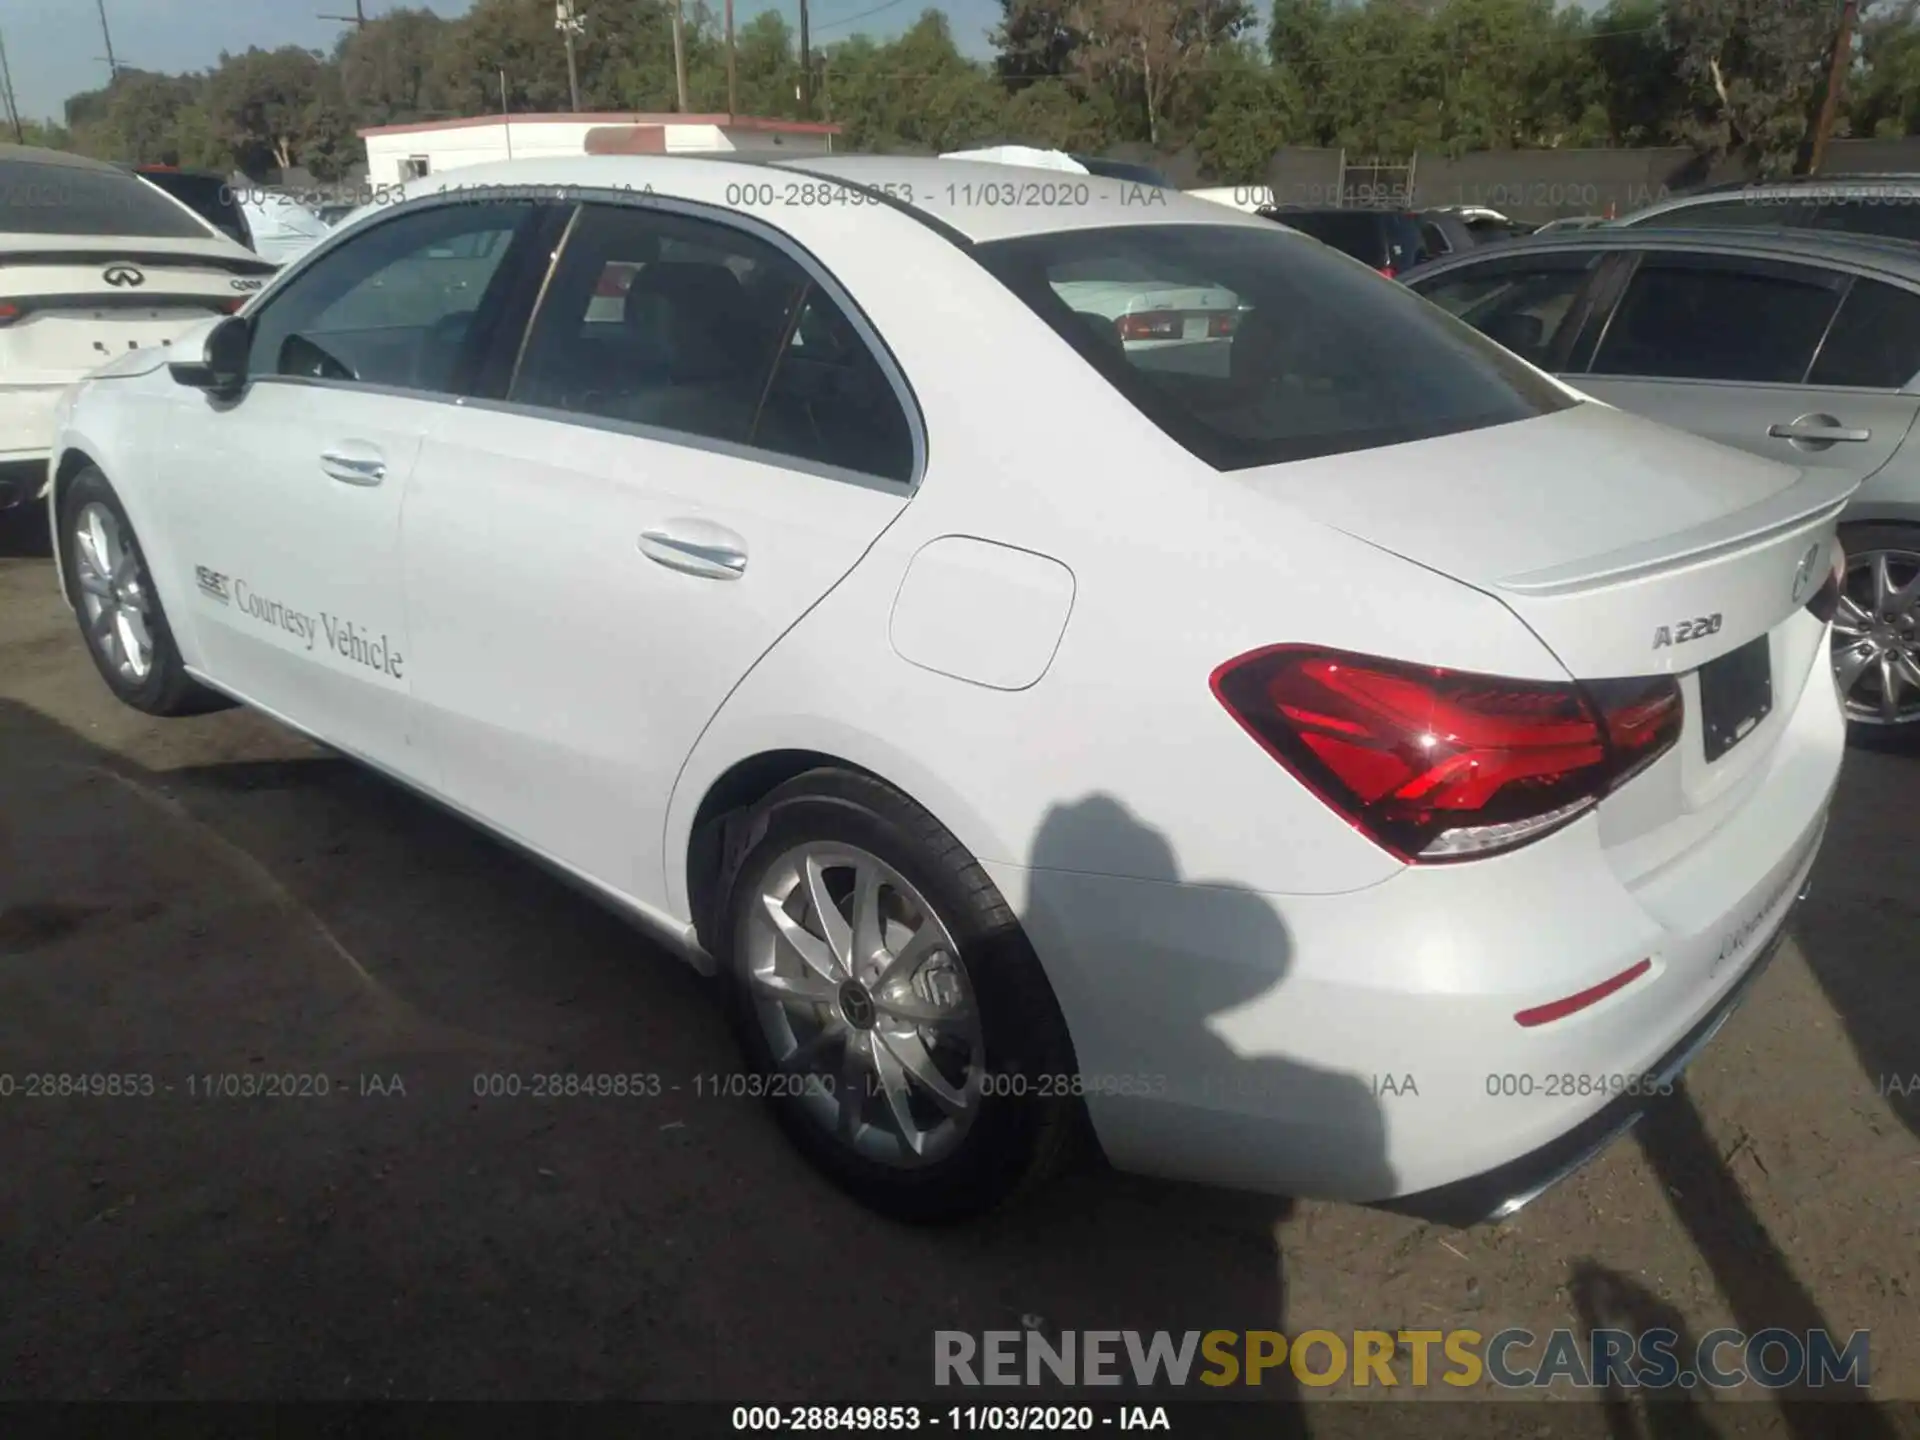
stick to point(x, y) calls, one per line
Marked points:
point(665, 486)
point(286, 501)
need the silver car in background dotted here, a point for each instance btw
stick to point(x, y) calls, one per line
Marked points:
point(1801, 346)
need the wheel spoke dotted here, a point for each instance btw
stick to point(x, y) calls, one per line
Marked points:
point(106, 544)
point(131, 646)
point(911, 1010)
point(87, 551)
point(1849, 664)
point(911, 1055)
point(806, 988)
point(926, 941)
point(1851, 618)
point(893, 1085)
point(94, 583)
point(1908, 669)
point(799, 1060)
point(832, 923)
point(866, 943)
point(1889, 688)
point(852, 1084)
point(811, 949)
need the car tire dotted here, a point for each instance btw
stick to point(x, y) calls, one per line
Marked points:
point(987, 986)
point(113, 625)
point(1871, 624)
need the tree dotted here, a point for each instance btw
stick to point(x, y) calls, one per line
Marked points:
point(273, 109)
point(387, 74)
point(1152, 48)
point(916, 94)
point(1637, 74)
point(1886, 94)
point(1755, 68)
point(1251, 111)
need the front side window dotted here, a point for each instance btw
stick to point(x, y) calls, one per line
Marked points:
point(1300, 354)
point(1523, 305)
point(684, 325)
point(52, 198)
point(1875, 341)
point(1718, 320)
point(396, 304)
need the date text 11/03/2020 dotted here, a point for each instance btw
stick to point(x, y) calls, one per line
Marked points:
point(960, 1419)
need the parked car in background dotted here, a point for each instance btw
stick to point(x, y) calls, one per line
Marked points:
point(1883, 205)
point(94, 262)
point(283, 229)
point(1025, 730)
point(206, 193)
point(1449, 229)
point(1388, 240)
point(1804, 348)
point(1571, 222)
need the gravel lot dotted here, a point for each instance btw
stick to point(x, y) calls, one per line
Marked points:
point(215, 896)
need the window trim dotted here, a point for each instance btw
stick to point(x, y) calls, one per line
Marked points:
point(1837, 282)
point(815, 272)
point(1909, 386)
point(540, 204)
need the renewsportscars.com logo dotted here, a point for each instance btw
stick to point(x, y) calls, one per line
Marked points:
point(1512, 1359)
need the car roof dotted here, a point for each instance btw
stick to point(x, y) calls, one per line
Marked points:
point(39, 155)
point(967, 197)
point(1873, 252)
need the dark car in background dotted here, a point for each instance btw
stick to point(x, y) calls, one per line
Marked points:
point(205, 193)
point(1388, 240)
point(1449, 229)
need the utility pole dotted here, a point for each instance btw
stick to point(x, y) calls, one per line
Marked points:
point(733, 89)
point(679, 58)
point(1836, 82)
point(13, 109)
point(806, 67)
point(113, 65)
point(358, 19)
point(570, 25)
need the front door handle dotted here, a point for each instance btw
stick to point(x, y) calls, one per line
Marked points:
point(354, 469)
point(1819, 431)
point(696, 547)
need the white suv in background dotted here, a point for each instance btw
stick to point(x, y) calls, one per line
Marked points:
point(93, 263)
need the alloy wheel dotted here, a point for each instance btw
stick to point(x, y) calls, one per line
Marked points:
point(865, 1003)
point(1876, 647)
point(113, 593)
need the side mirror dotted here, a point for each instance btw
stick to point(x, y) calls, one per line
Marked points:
point(219, 364)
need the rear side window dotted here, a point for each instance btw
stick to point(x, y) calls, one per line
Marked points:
point(1281, 351)
point(1718, 321)
point(684, 325)
point(1523, 305)
point(1890, 216)
point(207, 196)
point(1875, 341)
point(50, 198)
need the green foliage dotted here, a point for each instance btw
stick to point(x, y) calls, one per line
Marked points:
point(1385, 78)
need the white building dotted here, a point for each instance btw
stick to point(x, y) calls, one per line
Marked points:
point(398, 153)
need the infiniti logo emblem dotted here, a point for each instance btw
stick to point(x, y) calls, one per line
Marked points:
point(122, 276)
point(1804, 577)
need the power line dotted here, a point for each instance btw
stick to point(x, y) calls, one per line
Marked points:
point(358, 19)
point(6, 83)
point(849, 19)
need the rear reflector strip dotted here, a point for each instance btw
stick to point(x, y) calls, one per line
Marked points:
point(1560, 1009)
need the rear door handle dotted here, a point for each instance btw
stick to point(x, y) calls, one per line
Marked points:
point(1819, 429)
point(696, 547)
point(354, 469)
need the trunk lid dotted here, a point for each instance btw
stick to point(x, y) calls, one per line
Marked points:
point(1611, 537)
point(1629, 550)
point(78, 302)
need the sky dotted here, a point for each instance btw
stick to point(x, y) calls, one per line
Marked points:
point(54, 48)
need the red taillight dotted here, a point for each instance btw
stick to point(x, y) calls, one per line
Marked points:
point(1439, 764)
point(1222, 324)
point(8, 313)
point(1152, 325)
point(232, 307)
point(1386, 270)
point(1825, 603)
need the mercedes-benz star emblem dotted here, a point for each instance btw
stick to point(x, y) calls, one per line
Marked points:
point(856, 1005)
point(1803, 578)
point(123, 276)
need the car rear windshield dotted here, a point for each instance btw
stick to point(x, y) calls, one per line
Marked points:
point(207, 196)
point(1280, 351)
point(46, 198)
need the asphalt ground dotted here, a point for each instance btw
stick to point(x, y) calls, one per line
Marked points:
point(190, 900)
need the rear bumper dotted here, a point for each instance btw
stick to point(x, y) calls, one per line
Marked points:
point(1502, 1192)
point(22, 481)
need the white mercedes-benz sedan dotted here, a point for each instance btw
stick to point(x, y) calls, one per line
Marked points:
point(1334, 758)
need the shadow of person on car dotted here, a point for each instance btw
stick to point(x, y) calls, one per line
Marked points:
point(1154, 966)
point(1748, 1267)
